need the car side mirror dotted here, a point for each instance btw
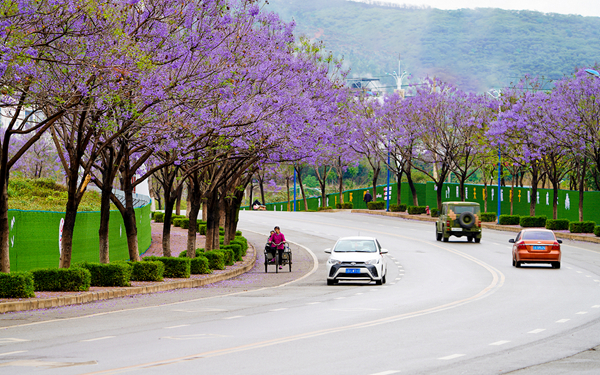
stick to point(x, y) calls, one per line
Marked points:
point(328, 251)
point(384, 251)
point(512, 240)
point(559, 241)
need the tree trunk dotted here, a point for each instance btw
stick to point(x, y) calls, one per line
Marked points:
point(438, 193)
point(534, 189)
point(105, 218)
point(375, 177)
point(195, 198)
point(166, 240)
point(461, 187)
point(413, 189)
point(4, 228)
point(581, 188)
point(287, 183)
point(399, 174)
point(212, 220)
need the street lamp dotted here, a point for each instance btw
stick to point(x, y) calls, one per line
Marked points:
point(398, 76)
point(496, 95)
point(593, 72)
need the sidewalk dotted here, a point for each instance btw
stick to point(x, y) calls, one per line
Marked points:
point(45, 300)
point(563, 234)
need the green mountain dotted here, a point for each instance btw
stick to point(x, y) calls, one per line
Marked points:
point(475, 49)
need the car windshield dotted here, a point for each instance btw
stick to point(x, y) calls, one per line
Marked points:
point(472, 209)
point(352, 246)
point(545, 236)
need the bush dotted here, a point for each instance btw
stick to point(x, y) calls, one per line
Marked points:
point(558, 224)
point(200, 266)
point(582, 226)
point(416, 210)
point(324, 208)
point(17, 285)
point(338, 206)
point(177, 222)
point(108, 274)
point(488, 217)
point(221, 231)
point(509, 219)
point(159, 217)
point(229, 253)
point(243, 242)
point(216, 259)
point(199, 252)
point(348, 206)
point(73, 279)
point(398, 207)
point(533, 221)
point(202, 229)
point(184, 223)
point(175, 267)
point(376, 205)
point(147, 271)
point(237, 250)
point(238, 232)
point(597, 231)
point(435, 212)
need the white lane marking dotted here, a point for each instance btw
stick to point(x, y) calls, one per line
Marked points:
point(17, 352)
point(358, 294)
point(598, 281)
point(99, 338)
point(281, 309)
point(381, 225)
point(397, 262)
point(446, 358)
point(581, 313)
point(501, 342)
point(587, 276)
point(562, 320)
point(8, 340)
point(595, 306)
point(340, 298)
point(313, 303)
point(234, 317)
point(386, 372)
point(397, 278)
point(579, 272)
point(183, 325)
point(569, 268)
point(537, 330)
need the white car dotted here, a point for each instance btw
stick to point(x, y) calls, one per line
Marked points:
point(356, 258)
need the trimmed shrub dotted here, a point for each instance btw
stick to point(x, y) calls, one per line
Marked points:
point(416, 210)
point(108, 274)
point(242, 242)
point(582, 226)
point(17, 285)
point(348, 205)
point(238, 233)
point(509, 219)
point(221, 231)
point(159, 217)
point(558, 224)
point(237, 250)
point(177, 222)
point(533, 221)
point(184, 223)
point(202, 229)
point(229, 258)
point(199, 252)
point(147, 271)
point(175, 267)
point(216, 259)
point(597, 231)
point(75, 279)
point(338, 206)
point(488, 217)
point(324, 208)
point(200, 266)
point(435, 212)
point(398, 207)
point(376, 205)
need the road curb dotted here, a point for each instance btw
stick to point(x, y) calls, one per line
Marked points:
point(44, 303)
point(505, 228)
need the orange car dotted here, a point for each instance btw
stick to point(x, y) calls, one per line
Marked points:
point(536, 246)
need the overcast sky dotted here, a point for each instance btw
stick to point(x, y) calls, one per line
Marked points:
point(581, 7)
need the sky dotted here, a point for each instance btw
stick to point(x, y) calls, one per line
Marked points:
point(581, 7)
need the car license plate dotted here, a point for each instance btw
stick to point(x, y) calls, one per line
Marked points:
point(352, 270)
point(536, 247)
point(456, 229)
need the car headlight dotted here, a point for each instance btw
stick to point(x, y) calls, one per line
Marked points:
point(372, 261)
point(333, 261)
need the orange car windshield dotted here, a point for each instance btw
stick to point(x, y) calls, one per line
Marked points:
point(540, 236)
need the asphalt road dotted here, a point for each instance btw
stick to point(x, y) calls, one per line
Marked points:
point(448, 308)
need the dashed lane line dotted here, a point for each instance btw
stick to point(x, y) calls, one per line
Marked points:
point(452, 356)
point(99, 338)
point(537, 330)
point(234, 317)
point(581, 313)
point(16, 352)
point(179, 326)
point(562, 320)
point(501, 342)
point(281, 309)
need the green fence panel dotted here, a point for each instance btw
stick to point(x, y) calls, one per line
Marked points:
point(34, 237)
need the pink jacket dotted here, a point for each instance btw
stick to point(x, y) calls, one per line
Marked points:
point(277, 239)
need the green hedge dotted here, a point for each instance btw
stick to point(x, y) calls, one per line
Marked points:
point(236, 247)
point(108, 274)
point(175, 267)
point(159, 217)
point(488, 217)
point(435, 212)
point(345, 206)
point(73, 279)
point(597, 231)
point(200, 265)
point(177, 222)
point(229, 253)
point(147, 271)
point(416, 210)
point(582, 226)
point(202, 229)
point(325, 208)
point(376, 205)
point(558, 224)
point(199, 252)
point(533, 221)
point(17, 285)
point(216, 259)
point(509, 220)
point(397, 207)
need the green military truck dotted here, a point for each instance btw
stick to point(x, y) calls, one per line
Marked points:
point(459, 219)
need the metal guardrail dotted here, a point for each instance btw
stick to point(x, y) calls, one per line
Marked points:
point(139, 200)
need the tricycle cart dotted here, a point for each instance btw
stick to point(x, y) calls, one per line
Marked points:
point(272, 258)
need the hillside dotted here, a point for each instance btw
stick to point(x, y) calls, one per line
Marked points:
point(474, 49)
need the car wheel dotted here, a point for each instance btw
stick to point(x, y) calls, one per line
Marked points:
point(518, 264)
point(446, 238)
point(477, 240)
point(556, 265)
point(438, 235)
point(383, 279)
point(469, 239)
point(514, 263)
point(379, 282)
point(330, 282)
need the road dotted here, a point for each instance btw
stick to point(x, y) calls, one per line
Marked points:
point(447, 308)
